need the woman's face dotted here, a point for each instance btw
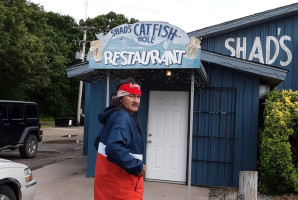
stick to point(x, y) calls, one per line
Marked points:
point(131, 102)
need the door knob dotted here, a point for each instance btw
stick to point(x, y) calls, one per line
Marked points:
point(149, 141)
point(149, 134)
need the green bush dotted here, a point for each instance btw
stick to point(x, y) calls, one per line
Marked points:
point(278, 170)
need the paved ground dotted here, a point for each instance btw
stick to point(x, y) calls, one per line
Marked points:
point(66, 179)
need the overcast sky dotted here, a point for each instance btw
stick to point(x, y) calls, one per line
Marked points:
point(189, 15)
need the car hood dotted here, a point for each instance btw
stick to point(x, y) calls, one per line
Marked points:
point(10, 164)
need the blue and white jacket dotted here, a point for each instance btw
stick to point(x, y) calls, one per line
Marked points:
point(120, 140)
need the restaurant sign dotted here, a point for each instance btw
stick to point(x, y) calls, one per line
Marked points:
point(144, 45)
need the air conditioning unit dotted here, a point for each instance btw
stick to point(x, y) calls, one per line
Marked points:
point(79, 55)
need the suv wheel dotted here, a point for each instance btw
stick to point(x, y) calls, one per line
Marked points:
point(6, 193)
point(29, 149)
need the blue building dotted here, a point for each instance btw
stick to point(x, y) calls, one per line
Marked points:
point(240, 61)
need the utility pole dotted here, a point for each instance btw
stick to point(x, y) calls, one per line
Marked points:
point(82, 57)
point(82, 53)
point(81, 82)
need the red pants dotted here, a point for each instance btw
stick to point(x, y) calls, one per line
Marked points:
point(111, 182)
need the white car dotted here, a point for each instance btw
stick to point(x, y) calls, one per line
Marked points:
point(16, 181)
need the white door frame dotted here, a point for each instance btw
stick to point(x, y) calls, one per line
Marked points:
point(183, 177)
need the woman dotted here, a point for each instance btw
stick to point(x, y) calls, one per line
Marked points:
point(119, 169)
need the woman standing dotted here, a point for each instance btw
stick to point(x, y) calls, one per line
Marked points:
point(119, 168)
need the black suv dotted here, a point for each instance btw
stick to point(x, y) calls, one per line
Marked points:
point(20, 127)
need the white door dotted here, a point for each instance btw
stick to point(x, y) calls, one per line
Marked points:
point(166, 151)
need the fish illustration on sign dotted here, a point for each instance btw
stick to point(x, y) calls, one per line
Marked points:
point(143, 43)
point(147, 34)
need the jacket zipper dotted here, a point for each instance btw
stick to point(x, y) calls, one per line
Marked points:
point(137, 183)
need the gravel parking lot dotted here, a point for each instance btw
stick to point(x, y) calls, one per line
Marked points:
point(58, 144)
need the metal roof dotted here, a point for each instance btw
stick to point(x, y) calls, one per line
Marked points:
point(269, 74)
point(244, 22)
point(80, 71)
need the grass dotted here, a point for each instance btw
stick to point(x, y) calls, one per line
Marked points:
point(46, 122)
point(47, 125)
point(43, 118)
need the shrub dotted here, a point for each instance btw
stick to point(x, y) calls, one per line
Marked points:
point(278, 158)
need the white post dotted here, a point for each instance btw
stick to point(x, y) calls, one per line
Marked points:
point(79, 103)
point(248, 185)
point(190, 134)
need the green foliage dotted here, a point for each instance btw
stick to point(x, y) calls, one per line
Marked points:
point(278, 170)
point(60, 54)
point(36, 47)
point(104, 23)
point(23, 64)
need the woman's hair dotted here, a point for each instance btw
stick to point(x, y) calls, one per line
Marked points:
point(116, 101)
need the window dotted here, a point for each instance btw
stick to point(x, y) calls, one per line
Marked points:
point(17, 112)
point(31, 111)
point(3, 111)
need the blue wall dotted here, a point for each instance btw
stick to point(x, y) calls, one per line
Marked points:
point(96, 102)
point(225, 127)
point(217, 159)
point(283, 42)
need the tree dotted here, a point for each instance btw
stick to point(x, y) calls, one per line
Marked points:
point(23, 63)
point(60, 96)
point(36, 47)
point(104, 23)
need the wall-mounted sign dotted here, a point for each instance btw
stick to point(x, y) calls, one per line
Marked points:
point(267, 50)
point(145, 45)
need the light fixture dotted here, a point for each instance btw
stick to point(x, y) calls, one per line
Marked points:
point(263, 91)
point(168, 73)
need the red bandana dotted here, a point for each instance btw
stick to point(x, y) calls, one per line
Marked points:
point(128, 88)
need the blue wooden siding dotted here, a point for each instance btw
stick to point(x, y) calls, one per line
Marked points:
point(214, 135)
point(96, 103)
point(86, 119)
point(217, 157)
point(225, 128)
point(288, 27)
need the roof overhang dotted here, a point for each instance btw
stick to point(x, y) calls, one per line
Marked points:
point(269, 74)
point(81, 71)
point(244, 22)
point(84, 73)
point(202, 72)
